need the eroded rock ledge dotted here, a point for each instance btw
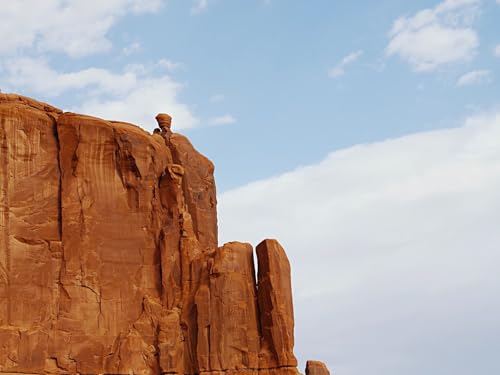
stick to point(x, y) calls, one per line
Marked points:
point(109, 259)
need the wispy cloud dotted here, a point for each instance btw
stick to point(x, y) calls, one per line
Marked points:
point(226, 119)
point(339, 69)
point(38, 77)
point(80, 28)
point(199, 6)
point(474, 77)
point(169, 65)
point(132, 48)
point(135, 94)
point(437, 36)
point(76, 28)
point(496, 50)
point(150, 96)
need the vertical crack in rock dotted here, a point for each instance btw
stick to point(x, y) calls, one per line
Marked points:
point(5, 261)
point(59, 190)
point(127, 169)
point(111, 234)
point(55, 247)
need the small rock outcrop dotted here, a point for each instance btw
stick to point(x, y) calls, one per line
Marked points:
point(109, 256)
point(316, 368)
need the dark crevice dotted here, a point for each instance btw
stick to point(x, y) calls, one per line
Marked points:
point(59, 193)
point(127, 169)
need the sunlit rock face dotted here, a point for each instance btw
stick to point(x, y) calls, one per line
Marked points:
point(109, 259)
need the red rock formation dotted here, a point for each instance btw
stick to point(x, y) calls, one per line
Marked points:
point(316, 368)
point(276, 307)
point(109, 258)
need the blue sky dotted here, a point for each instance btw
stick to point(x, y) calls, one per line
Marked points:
point(262, 66)
point(359, 133)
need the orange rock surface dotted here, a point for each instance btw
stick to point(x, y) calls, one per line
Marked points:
point(109, 257)
point(316, 368)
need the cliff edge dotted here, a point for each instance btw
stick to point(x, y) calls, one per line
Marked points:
point(109, 258)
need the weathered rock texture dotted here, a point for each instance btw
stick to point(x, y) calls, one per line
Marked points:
point(109, 260)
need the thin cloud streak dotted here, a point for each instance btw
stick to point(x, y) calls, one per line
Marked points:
point(199, 6)
point(474, 77)
point(226, 119)
point(339, 69)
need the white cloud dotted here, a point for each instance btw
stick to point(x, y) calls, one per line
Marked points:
point(339, 69)
point(135, 95)
point(395, 245)
point(436, 37)
point(36, 75)
point(76, 27)
point(169, 65)
point(139, 106)
point(474, 77)
point(199, 6)
point(496, 51)
point(226, 119)
point(132, 48)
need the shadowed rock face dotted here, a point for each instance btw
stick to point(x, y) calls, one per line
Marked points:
point(109, 258)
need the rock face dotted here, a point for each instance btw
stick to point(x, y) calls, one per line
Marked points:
point(316, 368)
point(109, 258)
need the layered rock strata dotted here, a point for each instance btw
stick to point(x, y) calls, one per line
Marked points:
point(109, 257)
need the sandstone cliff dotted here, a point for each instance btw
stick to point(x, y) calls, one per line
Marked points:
point(109, 259)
